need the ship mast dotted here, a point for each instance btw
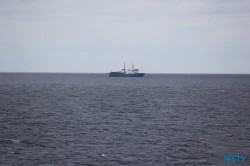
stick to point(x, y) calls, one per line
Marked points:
point(124, 68)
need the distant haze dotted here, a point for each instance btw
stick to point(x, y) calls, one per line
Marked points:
point(97, 36)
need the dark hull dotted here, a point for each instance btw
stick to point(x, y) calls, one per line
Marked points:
point(115, 74)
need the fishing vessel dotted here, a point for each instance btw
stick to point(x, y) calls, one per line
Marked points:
point(127, 72)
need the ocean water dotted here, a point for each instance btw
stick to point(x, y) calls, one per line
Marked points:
point(91, 119)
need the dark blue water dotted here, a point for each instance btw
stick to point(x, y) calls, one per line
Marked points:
point(91, 119)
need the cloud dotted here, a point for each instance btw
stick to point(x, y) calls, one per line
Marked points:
point(112, 31)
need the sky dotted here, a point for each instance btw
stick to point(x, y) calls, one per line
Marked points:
point(97, 36)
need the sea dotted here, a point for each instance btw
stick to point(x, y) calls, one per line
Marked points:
point(95, 120)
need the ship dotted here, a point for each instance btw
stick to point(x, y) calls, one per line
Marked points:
point(127, 72)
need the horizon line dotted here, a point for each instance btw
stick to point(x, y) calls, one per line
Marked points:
point(108, 72)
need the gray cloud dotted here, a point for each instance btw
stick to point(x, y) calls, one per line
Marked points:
point(192, 36)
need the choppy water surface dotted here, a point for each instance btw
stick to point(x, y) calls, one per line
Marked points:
point(91, 119)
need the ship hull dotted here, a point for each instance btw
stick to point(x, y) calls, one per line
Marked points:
point(115, 74)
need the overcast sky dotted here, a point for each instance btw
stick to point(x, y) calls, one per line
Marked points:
point(162, 36)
